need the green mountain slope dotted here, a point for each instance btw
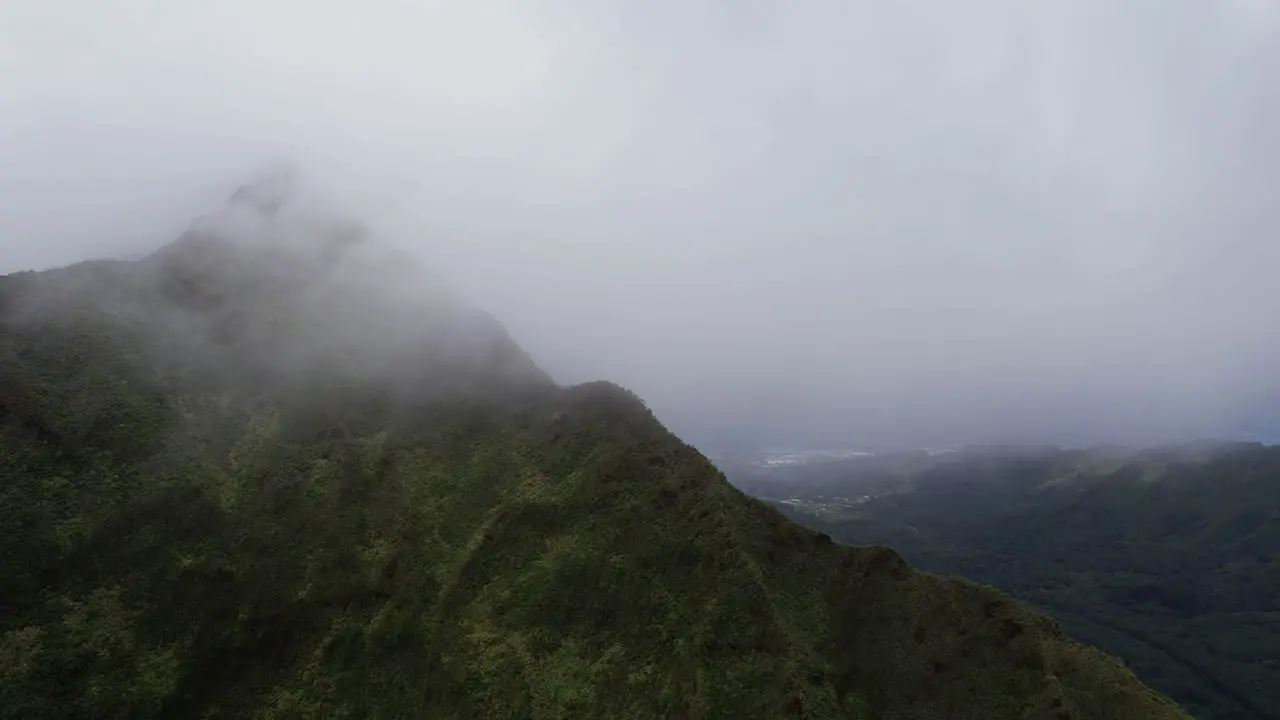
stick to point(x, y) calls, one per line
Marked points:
point(270, 480)
point(1168, 558)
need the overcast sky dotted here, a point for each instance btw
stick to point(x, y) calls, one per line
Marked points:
point(855, 223)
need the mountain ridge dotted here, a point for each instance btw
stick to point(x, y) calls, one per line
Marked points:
point(212, 508)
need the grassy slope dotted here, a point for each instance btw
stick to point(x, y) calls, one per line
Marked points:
point(190, 544)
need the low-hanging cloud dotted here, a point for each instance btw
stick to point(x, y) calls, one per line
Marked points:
point(862, 223)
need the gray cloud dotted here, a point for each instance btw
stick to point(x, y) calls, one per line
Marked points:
point(826, 222)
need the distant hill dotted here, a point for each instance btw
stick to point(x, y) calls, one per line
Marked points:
point(272, 471)
point(1167, 557)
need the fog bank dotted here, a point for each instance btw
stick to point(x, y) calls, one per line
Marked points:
point(824, 223)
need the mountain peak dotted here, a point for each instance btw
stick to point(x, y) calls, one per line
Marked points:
point(269, 192)
point(276, 286)
point(282, 220)
point(247, 477)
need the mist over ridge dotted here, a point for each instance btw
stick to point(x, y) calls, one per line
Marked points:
point(841, 224)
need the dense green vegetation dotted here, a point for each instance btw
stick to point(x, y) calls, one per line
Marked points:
point(241, 483)
point(1169, 558)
